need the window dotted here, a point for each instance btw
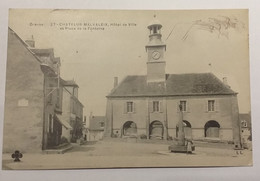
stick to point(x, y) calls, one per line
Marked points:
point(129, 106)
point(183, 105)
point(102, 124)
point(211, 105)
point(156, 106)
point(244, 123)
point(50, 126)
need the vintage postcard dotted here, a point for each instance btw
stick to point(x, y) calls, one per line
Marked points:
point(127, 89)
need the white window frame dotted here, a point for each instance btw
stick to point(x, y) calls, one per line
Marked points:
point(129, 106)
point(156, 106)
point(184, 105)
point(211, 106)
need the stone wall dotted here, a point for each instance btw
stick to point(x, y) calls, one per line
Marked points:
point(197, 115)
point(23, 119)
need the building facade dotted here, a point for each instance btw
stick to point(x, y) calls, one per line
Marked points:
point(72, 111)
point(246, 129)
point(23, 114)
point(52, 101)
point(96, 128)
point(148, 105)
point(34, 98)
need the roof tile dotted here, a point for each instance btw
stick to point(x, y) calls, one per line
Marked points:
point(175, 84)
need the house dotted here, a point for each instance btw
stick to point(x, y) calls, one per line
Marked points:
point(246, 131)
point(34, 98)
point(52, 101)
point(24, 95)
point(147, 106)
point(72, 111)
point(96, 128)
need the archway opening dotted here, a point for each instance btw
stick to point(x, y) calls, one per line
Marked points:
point(129, 128)
point(156, 130)
point(211, 129)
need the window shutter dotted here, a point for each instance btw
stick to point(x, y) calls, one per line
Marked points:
point(125, 107)
point(134, 110)
point(48, 124)
point(187, 106)
point(52, 123)
point(150, 106)
point(177, 106)
point(160, 106)
point(216, 105)
point(206, 106)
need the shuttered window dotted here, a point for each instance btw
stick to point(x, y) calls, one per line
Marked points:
point(156, 106)
point(183, 105)
point(129, 107)
point(211, 105)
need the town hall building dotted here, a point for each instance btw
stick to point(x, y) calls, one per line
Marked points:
point(148, 105)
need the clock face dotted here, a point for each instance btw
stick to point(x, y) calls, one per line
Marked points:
point(156, 55)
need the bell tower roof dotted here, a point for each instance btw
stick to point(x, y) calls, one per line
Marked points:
point(155, 34)
point(153, 23)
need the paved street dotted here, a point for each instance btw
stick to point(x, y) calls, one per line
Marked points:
point(107, 154)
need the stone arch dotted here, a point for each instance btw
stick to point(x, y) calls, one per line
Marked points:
point(211, 129)
point(156, 130)
point(129, 128)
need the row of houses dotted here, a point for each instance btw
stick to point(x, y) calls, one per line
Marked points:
point(42, 111)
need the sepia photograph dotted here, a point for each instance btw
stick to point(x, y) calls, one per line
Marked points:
point(127, 89)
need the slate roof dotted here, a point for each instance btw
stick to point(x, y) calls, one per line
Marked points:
point(175, 85)
point(24, 43)
point(95, 123)
point(42, 51)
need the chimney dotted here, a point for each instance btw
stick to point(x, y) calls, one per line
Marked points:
point(31, 42)
point(115, 81)
point(225, 81)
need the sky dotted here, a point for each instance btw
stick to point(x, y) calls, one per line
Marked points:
point(97, 45)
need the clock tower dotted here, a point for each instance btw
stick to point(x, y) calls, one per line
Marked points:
point(155, 49)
